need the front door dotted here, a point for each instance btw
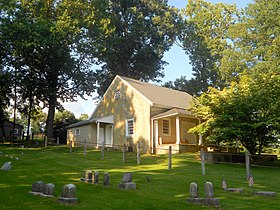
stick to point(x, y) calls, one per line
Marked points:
point(187, 137)
point(108, 135)
point(101, 137)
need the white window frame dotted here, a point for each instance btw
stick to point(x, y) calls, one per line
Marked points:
point(169, 127)
point(16, 131)
point(77, 132)
point(127, 129)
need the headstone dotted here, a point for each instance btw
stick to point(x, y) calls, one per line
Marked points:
point(208, 189)
point(265, 193)
point(224, 183)
point(193, 190)
point(95, 177)
point(106, 180)
point(37, 188)
point(127, 177)
point(127, 182)
point(235, 190)
point(48, 190)
point(68, 194)
point(7, 166)
point(87, 176)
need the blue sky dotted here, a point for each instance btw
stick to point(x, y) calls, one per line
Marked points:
point(178, 63)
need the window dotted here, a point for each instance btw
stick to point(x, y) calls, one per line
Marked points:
point(166, 127)
point(77, 132)
point(16, 131)
point(129, 127)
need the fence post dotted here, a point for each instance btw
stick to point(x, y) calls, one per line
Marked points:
point(124, 153)
point(247, 162)
point(138, 153)
point(202, 161)
point(102, 150)
point(70, 146)
point(85, 148)
point(170, 158)
point(46, 141)
point(57, 141)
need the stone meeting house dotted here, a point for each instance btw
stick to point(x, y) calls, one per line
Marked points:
point(132, 111)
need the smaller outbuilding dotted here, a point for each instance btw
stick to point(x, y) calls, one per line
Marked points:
point(8, 130)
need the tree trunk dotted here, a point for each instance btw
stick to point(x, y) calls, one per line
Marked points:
point(29, 118)
point(50, 118)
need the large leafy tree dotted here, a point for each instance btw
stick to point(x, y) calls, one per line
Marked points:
point(248, 108)
point(50, 44)
point(143, 31)
point(204, 38)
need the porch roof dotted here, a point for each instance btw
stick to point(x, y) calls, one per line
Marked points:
point(173, 112)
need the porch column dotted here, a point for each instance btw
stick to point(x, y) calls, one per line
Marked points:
point(156, 133)
point(177, 130)
point(97, 133)
point(200, 136)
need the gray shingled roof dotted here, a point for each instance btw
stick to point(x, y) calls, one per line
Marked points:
point(160, 95)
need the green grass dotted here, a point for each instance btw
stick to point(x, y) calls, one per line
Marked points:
point(168, 189)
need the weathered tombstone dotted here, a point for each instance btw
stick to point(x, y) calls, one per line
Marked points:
point(7, 166)
point(193, 190)
point(224, 183)
point(95, 177)
point(265, 193)
point(68, 194)
point(37, 188)
point(87, 176)
point(106, 180)
point(48, 190)
point(208, 189)
point(127, 182)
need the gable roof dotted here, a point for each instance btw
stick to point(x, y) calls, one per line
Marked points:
point(160, 96)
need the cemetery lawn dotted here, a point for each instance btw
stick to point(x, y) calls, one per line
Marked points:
point(167, 189)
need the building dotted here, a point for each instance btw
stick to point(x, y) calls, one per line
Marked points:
point(6, 132)
point(132, 111)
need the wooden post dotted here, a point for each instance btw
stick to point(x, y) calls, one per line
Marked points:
point(138, 153)
point(102, 150)
point(85, 148)
point(46, 141)
point(247, 162)
point(202, 161)
point(70, 146)
point(170, 158)
point(57, 141)
point(124, 153)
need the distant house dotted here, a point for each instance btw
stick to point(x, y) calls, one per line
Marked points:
point(132, 111)
point(7, 130)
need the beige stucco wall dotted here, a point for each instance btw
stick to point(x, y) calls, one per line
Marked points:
point(131, 104)
point(87, 132)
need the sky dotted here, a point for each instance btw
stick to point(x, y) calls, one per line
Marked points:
point(178, 64)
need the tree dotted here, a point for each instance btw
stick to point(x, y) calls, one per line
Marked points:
point(248, 109)
point(204, 38)
point(54, 42)
point(143, 31)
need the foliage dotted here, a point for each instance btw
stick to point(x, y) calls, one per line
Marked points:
point(143, 31)
point(167, 189)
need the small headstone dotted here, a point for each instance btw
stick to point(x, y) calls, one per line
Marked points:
point(208, 189)
point(235, 190)
point(265, 193)
point(7, 166)
point(48, 190)
point(193, 190)
point(87, 176)
point(127, 182)
point(95, 177)
point(37, 188)
point(106, 180)
point(127, 177)
point(68, 194)
point(224, 183)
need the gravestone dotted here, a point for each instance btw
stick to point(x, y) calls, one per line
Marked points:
point(193, 190)
point(87, 176)
point(265, 193)
point(106, 180)
point(7, 166)
point(208, 190)
point(37, 188)
point(48, 190)
point(95, 177)
point(68, 194)
point(126, 182)
point(224, 183)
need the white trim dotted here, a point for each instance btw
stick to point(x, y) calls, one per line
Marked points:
point(77, 132)
point(127, 129)
point(16, 131)
point(177, 130)
point(169, 127)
